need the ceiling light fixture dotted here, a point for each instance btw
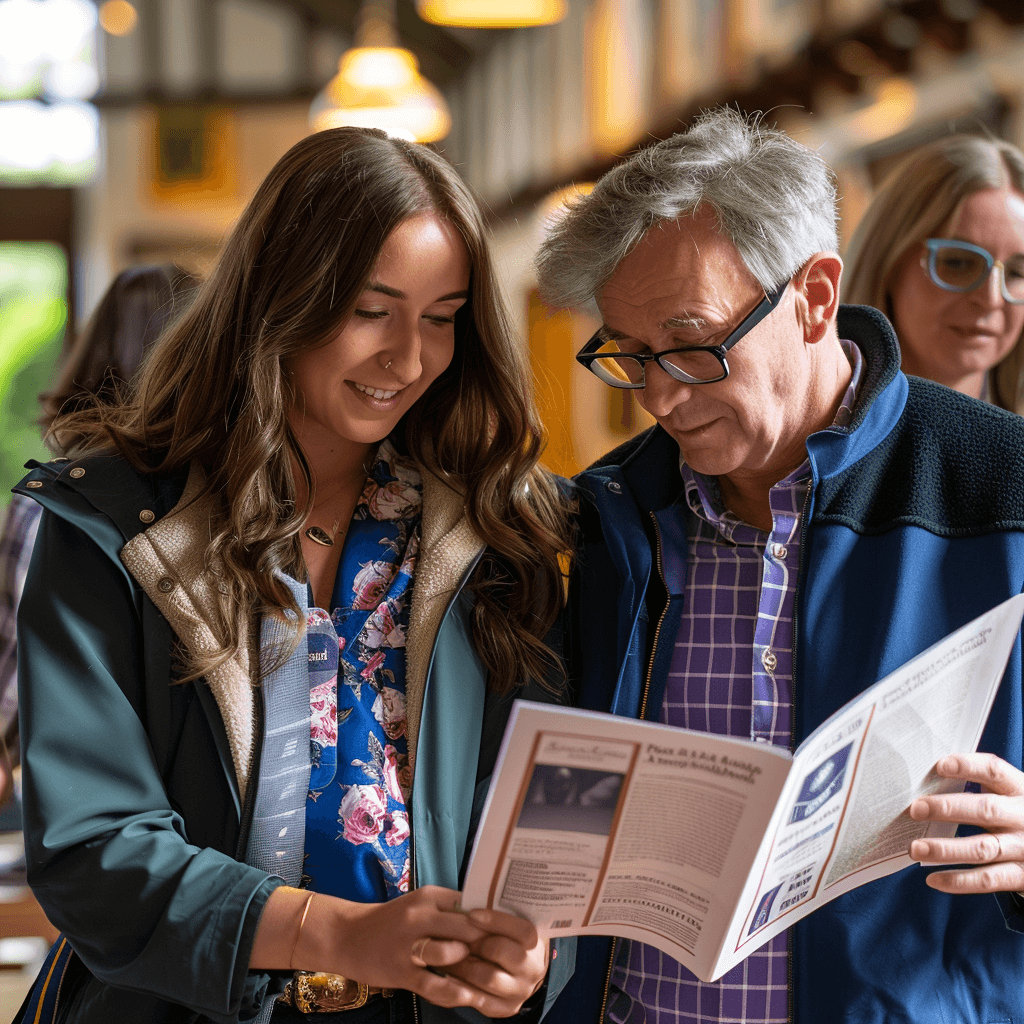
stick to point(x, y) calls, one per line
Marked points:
point(378, 85)
point(491, 13)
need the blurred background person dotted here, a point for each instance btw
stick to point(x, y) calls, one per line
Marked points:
point(131, 315)
point(940, 251)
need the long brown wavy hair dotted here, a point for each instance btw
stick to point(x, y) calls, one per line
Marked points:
point(214, 392)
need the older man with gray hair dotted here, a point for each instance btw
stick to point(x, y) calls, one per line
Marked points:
point(802, 519)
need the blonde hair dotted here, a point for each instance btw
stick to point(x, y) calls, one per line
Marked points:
point(912, 205)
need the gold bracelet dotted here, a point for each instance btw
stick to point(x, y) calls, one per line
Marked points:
point(298, 933)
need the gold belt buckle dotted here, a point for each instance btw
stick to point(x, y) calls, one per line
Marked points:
point(317, 992)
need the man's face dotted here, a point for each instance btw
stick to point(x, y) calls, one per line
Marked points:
point(684, 284)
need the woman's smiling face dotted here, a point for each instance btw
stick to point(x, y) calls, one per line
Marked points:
point(956, 337)
point(401, 337)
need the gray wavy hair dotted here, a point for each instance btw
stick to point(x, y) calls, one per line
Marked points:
point(775, 200)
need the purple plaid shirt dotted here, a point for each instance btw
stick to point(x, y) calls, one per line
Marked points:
point(732, 674)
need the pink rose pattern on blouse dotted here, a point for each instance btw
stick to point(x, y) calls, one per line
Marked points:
point(357, 825)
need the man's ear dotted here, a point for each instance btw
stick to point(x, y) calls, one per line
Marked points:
point(817, 286)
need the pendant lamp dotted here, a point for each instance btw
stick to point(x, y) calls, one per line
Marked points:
point(491, 13)
point(378, 85)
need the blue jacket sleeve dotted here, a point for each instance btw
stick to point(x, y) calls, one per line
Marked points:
point(109, 858)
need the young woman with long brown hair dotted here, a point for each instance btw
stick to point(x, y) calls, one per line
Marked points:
point(282, 598)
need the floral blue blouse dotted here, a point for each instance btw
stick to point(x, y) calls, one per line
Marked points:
point(357, 825)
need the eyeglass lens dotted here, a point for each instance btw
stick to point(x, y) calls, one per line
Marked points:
point(961, 270)
point(619, 368)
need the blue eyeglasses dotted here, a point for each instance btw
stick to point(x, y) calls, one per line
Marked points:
point(691, 365)
point(961, 267)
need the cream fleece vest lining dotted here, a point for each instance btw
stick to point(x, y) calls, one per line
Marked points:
point(168, 562)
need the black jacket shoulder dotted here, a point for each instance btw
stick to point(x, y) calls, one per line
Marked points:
point(952, 465)
point(105, 483)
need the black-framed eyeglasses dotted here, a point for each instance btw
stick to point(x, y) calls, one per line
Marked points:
point(961, 267)
point(689, 365)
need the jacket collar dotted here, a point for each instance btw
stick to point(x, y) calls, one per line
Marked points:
point(167, 560)
point(449, 549)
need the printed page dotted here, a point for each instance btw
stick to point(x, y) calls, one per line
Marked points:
point(605, 825)
point(843, 819)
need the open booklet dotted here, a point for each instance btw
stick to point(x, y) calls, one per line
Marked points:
point(707, 846)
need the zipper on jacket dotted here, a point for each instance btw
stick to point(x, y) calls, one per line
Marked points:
point(643, 714)
point(608, 980)
point(413, 883)
point(661, 619)
point(800, 573)
point(249, 804)
point(801, 569)
point(789, 975)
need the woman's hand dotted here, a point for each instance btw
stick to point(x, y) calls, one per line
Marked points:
point(421, 942)
point(508, 963)
point(998, 852)
point(407, 942)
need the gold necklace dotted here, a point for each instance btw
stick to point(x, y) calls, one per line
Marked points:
point(317, 534)
point(320, 536)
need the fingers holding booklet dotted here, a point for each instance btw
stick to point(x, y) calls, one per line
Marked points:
point(992, 860)
point(706, 846)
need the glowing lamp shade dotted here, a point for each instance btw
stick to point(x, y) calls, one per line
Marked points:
point(381, 87)
point(491, 13)
point(118, 17)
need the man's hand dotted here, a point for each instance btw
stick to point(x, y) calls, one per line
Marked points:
point(999, 851)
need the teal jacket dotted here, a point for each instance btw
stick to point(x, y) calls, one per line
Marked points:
point(138, 804)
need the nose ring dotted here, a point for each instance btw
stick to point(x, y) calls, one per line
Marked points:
point(388, 363)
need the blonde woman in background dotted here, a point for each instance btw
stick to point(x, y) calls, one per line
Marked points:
point(940, 251)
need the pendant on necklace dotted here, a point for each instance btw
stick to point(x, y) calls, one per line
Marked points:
point(319, 536)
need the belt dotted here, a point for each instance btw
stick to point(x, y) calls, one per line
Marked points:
point(314, 992)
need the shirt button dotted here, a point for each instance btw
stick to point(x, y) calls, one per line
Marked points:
point(147, 516)
point(165, 584)
point(33, 484)
point(769, 660)
point(77, 473)
point(780, 550)
point(615, 488)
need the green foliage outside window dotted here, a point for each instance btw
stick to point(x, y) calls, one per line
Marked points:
point(33, 316)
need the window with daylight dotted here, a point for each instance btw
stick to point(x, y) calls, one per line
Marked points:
point(49, 132)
